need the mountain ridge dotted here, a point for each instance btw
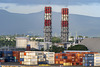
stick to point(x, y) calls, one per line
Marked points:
point(12, 23)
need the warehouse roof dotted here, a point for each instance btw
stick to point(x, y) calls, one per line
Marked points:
point(93, 44)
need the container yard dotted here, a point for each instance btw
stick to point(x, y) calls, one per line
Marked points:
point(44, 58)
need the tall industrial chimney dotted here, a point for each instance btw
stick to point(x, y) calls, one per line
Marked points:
point(64, 25)
point(47, 24)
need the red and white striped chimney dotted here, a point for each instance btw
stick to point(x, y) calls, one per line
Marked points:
point(64, 25)
point(47, 24)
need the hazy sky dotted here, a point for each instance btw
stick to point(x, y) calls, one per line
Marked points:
point(82, 7)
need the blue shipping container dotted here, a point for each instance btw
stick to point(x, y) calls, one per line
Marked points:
point(10, 57)
point(21, 59)
point(90, 61)
point(64, 57)
point(28, 45)
point(10, 60)
point(42, 62)
point(88, 64)
point(7, 52)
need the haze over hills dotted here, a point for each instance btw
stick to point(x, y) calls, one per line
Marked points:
point(12, 23)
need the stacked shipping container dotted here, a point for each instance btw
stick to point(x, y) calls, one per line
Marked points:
point(30, 58)
point(97, 59)
point(16, 55)
point(50, 57)
point(40, 55)
point(28, 48)
point(21, 57)
point(74, 57)
point(8, 56)
point(61, 58)
point(36, 57)
point(88, 60)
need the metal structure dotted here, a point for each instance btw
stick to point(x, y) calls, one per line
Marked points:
point(47, 24)
point(64, 25)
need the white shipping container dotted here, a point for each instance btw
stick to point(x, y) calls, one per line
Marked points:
point(42, 59)
point(21, 53)
point(27, 60)
point(51, 52)
point(30, 63)
point(40, 53)
point(50, 59)
point(31, 53)
point(30, 60)
point(51, 62)
point(41, 56)
point(96, 57)
point(22, 62)
point(33, 59)
point(97, 54)
point(30, 57)
point(50, 56)
point(96, 64)
point(21, 56)
point(96, 61)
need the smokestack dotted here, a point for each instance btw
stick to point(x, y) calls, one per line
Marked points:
point(47, 24)
point(64, 25)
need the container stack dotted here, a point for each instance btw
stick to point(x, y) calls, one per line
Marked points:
point(78, 59)
point(50, 57)
point(97, 59)
point(61, 58)
point(30, 58)
point(2, 59)
point(40, 56)
point(88, 60)
point(21, 57)
point(16, 55)
point(8, 56)
point(28, 48)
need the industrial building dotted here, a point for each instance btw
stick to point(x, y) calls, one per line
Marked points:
point(48, 24)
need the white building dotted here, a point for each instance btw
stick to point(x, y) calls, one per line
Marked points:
point(34, 44)
point(21, 42)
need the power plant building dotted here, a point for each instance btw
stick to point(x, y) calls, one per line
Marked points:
point(47, 24)
point(64, 25)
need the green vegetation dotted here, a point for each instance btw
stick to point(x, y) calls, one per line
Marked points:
point(40, 40)
point(55, 40)
point(78, 47)
point(7, 42)
point(56, 49)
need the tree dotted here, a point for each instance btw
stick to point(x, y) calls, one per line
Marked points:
point(56, 49)
point(71, 36)
point(78, 47)
point(42, 49)
point(55, 40)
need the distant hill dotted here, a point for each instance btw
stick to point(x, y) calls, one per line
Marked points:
point(12, 23)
